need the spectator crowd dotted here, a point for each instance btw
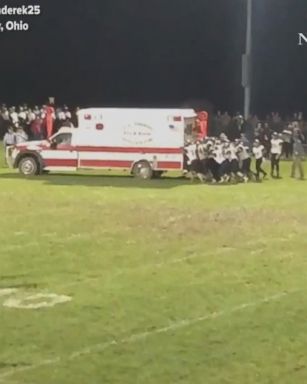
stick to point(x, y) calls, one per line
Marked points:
point(262, 129)
point(24, 123)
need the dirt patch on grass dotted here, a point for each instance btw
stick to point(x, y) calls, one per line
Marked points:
point(186, 222)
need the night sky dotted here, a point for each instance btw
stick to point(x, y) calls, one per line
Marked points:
point(156, 53)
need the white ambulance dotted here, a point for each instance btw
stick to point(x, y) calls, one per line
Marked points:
point(147, 142)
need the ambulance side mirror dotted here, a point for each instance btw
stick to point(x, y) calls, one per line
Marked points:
point(53, 144)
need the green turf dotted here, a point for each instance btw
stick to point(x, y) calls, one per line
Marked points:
point(171, 282)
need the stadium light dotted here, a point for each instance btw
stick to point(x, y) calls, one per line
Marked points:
point(246, 61)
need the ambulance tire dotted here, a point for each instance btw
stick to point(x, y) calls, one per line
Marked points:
point(142, 170)
point(28, 166)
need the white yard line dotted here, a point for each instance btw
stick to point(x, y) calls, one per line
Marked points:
point(143, 335)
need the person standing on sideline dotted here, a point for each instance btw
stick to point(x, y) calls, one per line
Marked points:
point(258, 151)
point(50, 117)
point(287, 138)
point(276, 151)
point(8, 140)
point(298, 154)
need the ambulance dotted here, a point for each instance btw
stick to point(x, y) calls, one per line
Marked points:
point(146, 142)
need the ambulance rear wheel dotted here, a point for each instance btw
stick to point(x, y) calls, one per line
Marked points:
point(28, 166)
point(142, 170)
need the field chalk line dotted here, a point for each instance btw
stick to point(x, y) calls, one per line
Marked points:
point(144, 335)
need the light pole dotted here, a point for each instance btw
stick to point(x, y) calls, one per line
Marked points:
point(246, 61)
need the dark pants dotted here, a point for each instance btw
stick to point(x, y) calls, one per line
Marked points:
point(185, 163)
point(204, 166)
point(214, 168)
point(246, 167)
point(259, 170)
point(225, 168)
point(274, 164)
point(234, 165)
point(196, 166)
point(287, 150)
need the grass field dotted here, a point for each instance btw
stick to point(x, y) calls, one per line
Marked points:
point(169, 282)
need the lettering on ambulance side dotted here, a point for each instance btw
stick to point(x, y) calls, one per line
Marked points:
point(138, 134)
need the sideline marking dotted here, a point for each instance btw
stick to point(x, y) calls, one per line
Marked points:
point(21, 303)
point(7, 291)
point(144, 335)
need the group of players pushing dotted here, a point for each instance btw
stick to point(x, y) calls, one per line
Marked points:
point(219, 160)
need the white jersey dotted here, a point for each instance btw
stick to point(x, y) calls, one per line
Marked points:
point(233, 152)
point(14, 117)
point(243, 153)
point(191, 153)
point(31, 116)
point(227, 153)
point(276, 146)
point(23, 115)
point(218, 154)
point(201, 151)
point(61, 115)
point(258, 151)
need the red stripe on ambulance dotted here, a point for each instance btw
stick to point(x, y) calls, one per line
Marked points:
point(169, 165)
point(60, 163)
point(105, 163)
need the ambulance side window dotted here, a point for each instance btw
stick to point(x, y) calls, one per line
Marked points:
point(63, 139)
point(188, 128)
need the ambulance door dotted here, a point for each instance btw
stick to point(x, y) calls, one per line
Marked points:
point(62, 155)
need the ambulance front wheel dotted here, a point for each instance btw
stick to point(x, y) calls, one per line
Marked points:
point(28, 166)
point(142, 170)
